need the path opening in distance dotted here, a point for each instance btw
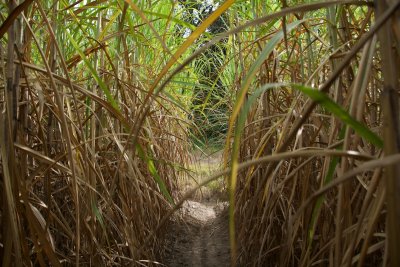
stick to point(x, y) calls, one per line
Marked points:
point(198, 234)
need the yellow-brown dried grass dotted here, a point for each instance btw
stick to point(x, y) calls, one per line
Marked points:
point(76, 190)
point(276, 201)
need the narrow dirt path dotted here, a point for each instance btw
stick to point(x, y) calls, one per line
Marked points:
point(198, 235)
point(201, 238)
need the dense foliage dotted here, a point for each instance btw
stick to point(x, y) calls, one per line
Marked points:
point(102, 103)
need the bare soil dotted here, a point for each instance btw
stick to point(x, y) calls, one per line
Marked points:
point(200, 238)
point(198, 235)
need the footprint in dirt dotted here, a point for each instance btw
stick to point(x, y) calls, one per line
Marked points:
point(201, 238)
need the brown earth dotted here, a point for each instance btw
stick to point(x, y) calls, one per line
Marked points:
point(198, 234)
point(200, 237)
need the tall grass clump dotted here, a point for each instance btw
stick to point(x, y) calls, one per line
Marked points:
point(312, 108)
point(90, 154)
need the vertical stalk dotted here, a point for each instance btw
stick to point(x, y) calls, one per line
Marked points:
point(11, 220)
point(50, 123)
point(391, 133)
point(333, 37)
